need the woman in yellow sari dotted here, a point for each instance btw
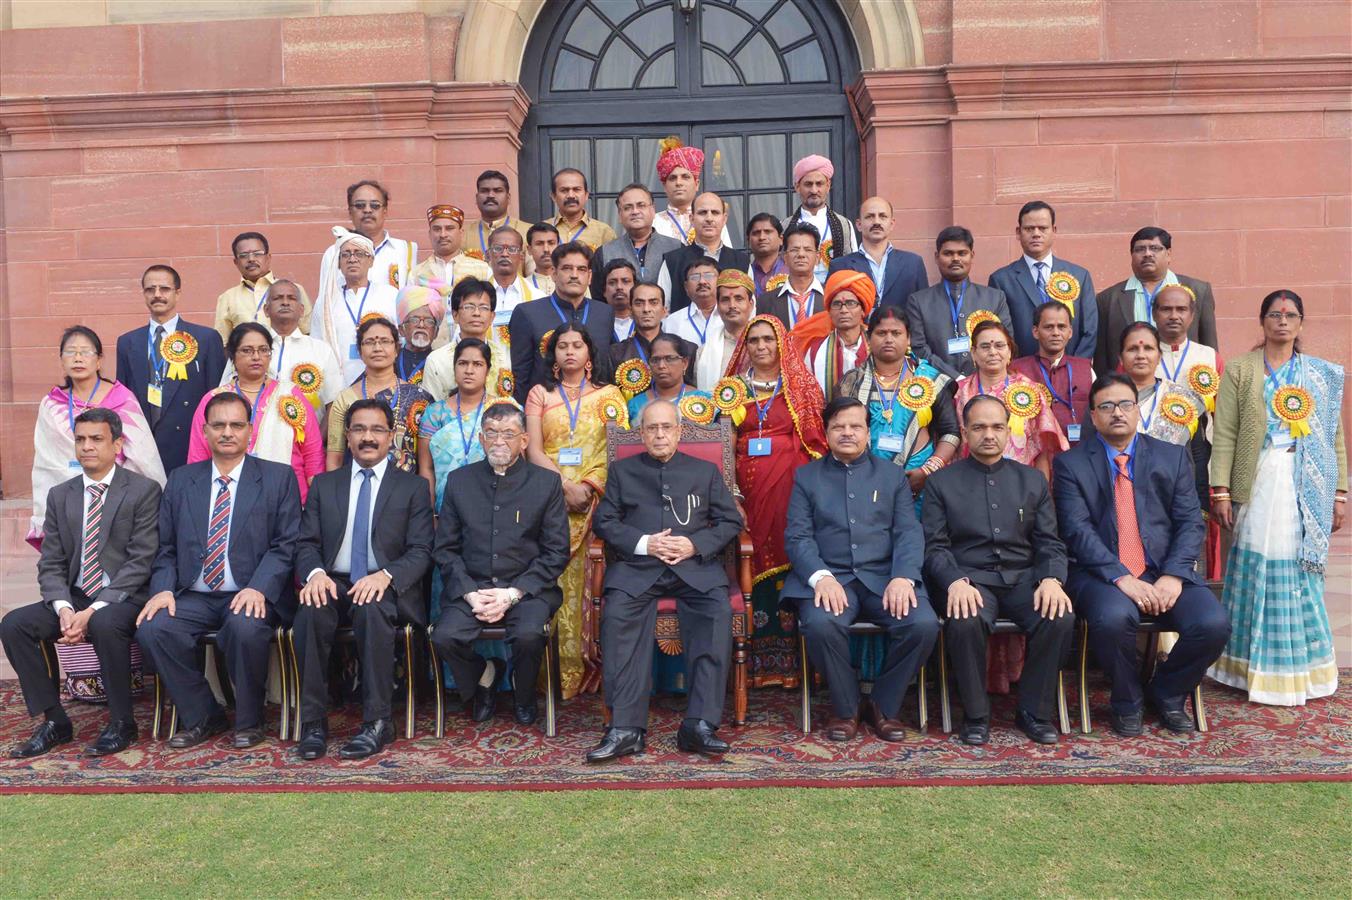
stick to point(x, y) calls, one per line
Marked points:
point(566, 419)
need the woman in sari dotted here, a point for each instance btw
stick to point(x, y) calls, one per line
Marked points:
point(1279, 479)
point(566, 419)
point(776, 406)
point(283, 427)
point(378, 344)
point(670, 358)
point(54, 434)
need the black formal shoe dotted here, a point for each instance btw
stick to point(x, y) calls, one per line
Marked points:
point(699, 737)
point(191, 737)
point(115, 737)
point(1173, 716)
point(485, 698)
point(525, 714)
point(244, 738)
point(975, 732)
point(45, 737)
point(1039, 731)
point(314, 741)
point(617, 742)
point(1128, 725)
point(373, 737)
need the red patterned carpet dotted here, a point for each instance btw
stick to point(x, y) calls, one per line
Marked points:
point(1246, 743)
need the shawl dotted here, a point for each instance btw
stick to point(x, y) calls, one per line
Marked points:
point(864, 386)
point(331, 281)
point(1317, 460)
point(799, 387)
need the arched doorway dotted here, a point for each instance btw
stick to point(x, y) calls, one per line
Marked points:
point(755, 83)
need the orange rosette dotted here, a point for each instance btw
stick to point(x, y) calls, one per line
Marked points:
point(1024, 402)
point(730, 396)
point(699, 410)
point(178, 349)
point(1294, 405)
point(1064, 288)
point(394, 275)
point(371, 317)
point(476, 254)
point(824, 252)
point(544, 341)
point(506, 383)
point(917, 394)
point(1178, 409)
point(1205, 383)
point(503, 336)
point(291, 411)
point(307, 377)
point(981, 315)
point(633, 376)
point(415, 414)
point(775, 282)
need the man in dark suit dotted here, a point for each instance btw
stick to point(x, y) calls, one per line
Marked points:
point(940, 316)
point(365, 545)
point(710, 217)
point(228, 528)
point(992, 551)
point(801, 295)
point(169, 381)
point(897, 273)
point(1027, 283)
point(856, 550)
point(667, 518)
point(533, 321)
point(502, 543)
point(1133, 300)
point(1131, 520)
point(98, 542)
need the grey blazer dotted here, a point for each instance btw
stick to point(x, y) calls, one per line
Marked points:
point(930, 319)
point(128, 539)
point(658, 246)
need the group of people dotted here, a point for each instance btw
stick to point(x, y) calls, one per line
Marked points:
point(426, 444)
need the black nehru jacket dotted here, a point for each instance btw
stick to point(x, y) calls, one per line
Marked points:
point(645, 496)
point(501, 531)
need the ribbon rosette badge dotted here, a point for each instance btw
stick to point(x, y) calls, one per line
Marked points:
point(633, 376)
point(415, 414)
point(1205, 382)
point(697, 410)
point(1177, 409)
point(825, 252)
point(544, 341)
point(981, 315)
point(501, 332)
point(730, 397)
point(775, 282)
point(506, 384)
point(292, 413)
point(307, 377)
point(476, 254)
point(1024, 402)
point(1064, 287)
point(611, 412)
point(1293, 405)
point(371, 317)
point(394, 275)
point(917, 394)
point(178, 349)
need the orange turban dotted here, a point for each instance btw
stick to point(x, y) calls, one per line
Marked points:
point(818, 325)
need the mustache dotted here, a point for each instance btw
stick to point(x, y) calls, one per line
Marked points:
point(368, 445)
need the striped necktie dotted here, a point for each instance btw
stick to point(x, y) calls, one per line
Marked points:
point(91, 572)
point(1042, 279)
point(218, 534)
point(1129, 548)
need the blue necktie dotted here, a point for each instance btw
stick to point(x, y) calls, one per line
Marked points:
point(361, 528)
point(1042, 279)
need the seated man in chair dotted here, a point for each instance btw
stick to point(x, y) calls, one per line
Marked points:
point(1131, 520)
point(991, 551)
point(667, 518)
point(502, 543)
point(365, 545)
point(856, 550)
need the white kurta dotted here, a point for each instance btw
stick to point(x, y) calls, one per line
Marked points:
point(377, 297)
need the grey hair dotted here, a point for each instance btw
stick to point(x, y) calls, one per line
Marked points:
point(643, 413)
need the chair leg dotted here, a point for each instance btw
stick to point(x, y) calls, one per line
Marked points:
point(439, 689)
point(159, 708)
point(284, 675)
point(295, 680)
point(173, 721)
point(1152, 649)
point(410, 673)
point(1086, 725)
point(1062, 707)
point(945, 710)
point(551, 652)
point(806, 675)
point(922, 699)
point(1199, 710)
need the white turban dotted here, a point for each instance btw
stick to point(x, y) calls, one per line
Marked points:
point(331, 283)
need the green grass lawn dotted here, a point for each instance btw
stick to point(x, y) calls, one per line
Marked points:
point(1204, 840)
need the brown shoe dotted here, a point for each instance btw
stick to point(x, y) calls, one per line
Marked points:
point(887, 729)
point(842, 729)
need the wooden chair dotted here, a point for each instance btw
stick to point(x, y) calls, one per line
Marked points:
point(713, 443)
point(553, 681)
point(1003, 626)
point(207, 643)
point(345, 635)
point(856, 629)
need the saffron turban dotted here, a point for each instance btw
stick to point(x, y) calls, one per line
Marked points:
point(812, 163)
point(677, 154)
point(818, 325)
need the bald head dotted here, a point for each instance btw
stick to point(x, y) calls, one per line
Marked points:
point(661, 430)
point(875, 222)
point(709, 215)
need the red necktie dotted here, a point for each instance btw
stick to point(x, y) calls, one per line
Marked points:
point(1129, 547)
point(801, 300)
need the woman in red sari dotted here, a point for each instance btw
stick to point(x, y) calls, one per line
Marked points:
point(776, 407)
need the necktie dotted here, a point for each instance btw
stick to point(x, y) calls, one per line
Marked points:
point(1041, 278)
point(218, 534)
point(157, 355)
point(1129, 547)
point(361, 528)
point(802, 300)
point(91, 573)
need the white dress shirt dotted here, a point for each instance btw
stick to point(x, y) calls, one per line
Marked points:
point(229, 584)
point(1032, 264)
point(342, 562)
point(106, 480)
point(395, 253)
point(689, 323)
point(624, 328)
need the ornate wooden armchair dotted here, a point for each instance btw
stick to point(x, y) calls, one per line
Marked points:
point(715, 444)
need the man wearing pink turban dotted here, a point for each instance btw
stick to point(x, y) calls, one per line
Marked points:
point(678, 168)
point(420, 309)
point(812, 180)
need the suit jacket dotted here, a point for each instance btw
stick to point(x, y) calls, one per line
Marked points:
point(127, 542)
point(401, 533)
point(655, 251)
point(532, 320)
point(1167, 510)
point(993, 524)
point(858, 522)
point(678, 260)
point(1023, 297)
point(173, 428)
point(1116, 310)
point(776, 303)
point(500, 531)
point(644, 496)
point(903, 274)
point(929, 316)
point(264, 525)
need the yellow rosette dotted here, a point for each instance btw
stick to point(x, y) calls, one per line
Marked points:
point(1064, 288)
point(544, 341)
point(633, 376)
point(293, 414)
point(690, 235)
point(394, 275)
point(917, 394)
point(614, 412)
point(1293, 405)
point(178, 349)
point(775, 282)
point(1206, 383)
point(502, 335)
point(416, 377)
point(1178, 409)
point(476, 254)
point(730, 396)
point(307, 377)
point(415, 414)
point(976, 318)
point(506, 384)
point(697, 410)
point(1024, 402)
point(371, 317)
point(824, 252)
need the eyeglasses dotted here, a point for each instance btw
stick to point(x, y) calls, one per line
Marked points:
point(377, 431)
point(228, 426)
point(838, 305)
point(1108, 406)
point(372, 205)
point(1149, 248)
point(373, 343)
point(660, 427)
point(254, 351)
point(79, 354)
point(251, 254)
point(475, 308)
point(666, 360)
point(421, 321)
point(504, 250)
point(353, 254)
point(702, 276)
point(494, 437)
point(1277, 316)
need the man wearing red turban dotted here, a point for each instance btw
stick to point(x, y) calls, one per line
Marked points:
point(678, 168)
point(833, 341)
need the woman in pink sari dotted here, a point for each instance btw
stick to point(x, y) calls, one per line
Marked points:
point(54, 435)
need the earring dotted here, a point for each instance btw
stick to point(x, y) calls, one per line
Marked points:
point(586, 372)
point(558, 373)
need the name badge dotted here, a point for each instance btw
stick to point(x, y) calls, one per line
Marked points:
point(502, 316)
point(73, 465)
point(959, 345)
point(1283, 438)
point(154, 395)
point(758, 447)
point(570, 456)
point(353, 352)
point(1073, 432)
point(891, 443)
